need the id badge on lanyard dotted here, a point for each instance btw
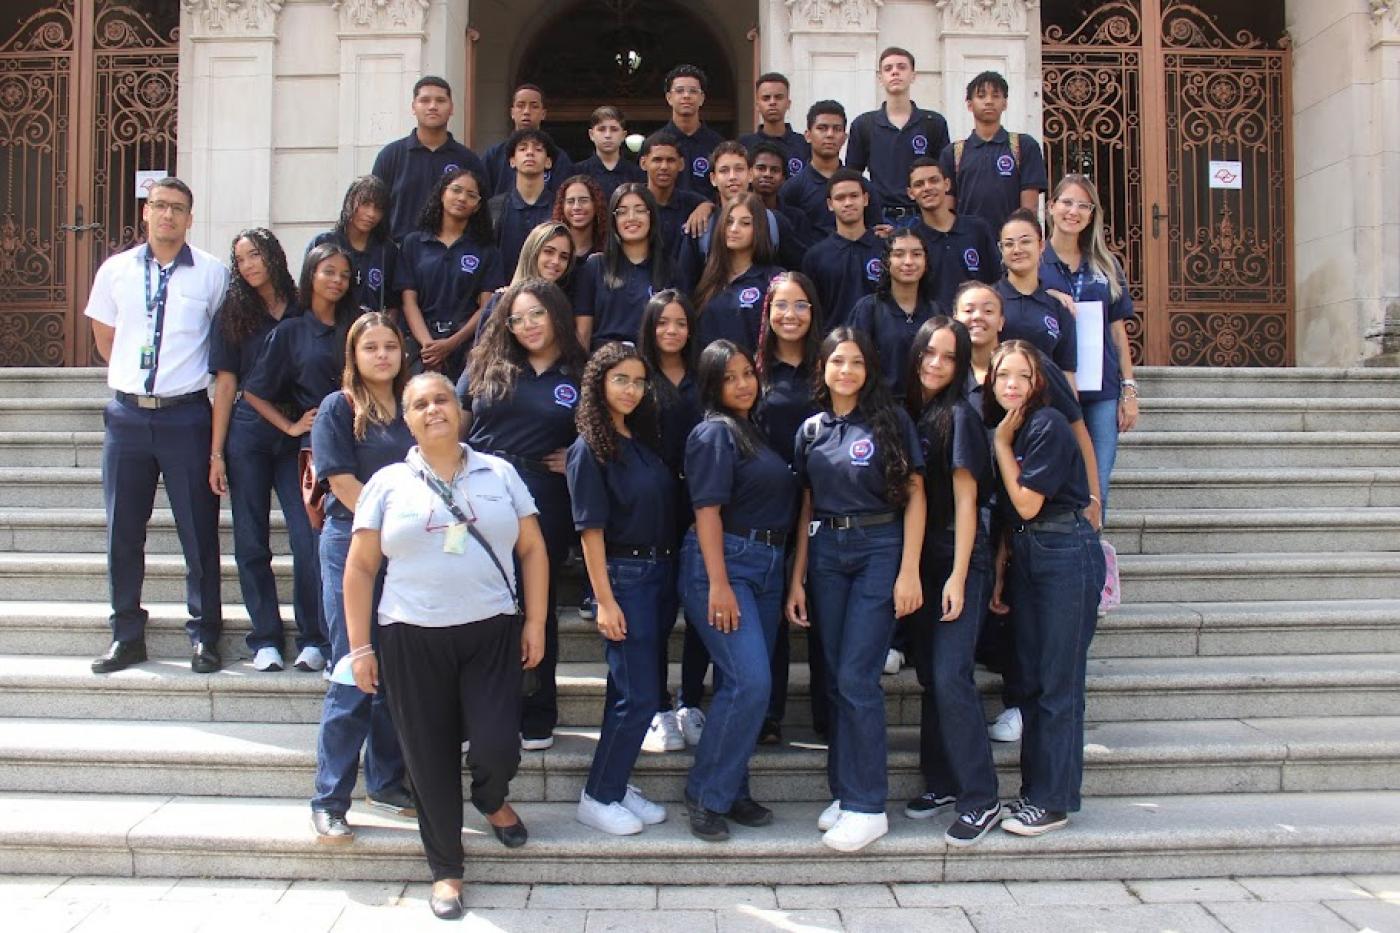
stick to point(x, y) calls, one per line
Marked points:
point(154, 319)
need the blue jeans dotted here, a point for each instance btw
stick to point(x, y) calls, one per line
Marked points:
point(350, 719)
point(1101, 420)
point(850, 596)
point(645, 590)
point(955, 755)
point(720, 774)
point(1054, 579)
point(260, 459)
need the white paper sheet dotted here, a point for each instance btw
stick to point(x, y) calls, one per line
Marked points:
point(1088, 323)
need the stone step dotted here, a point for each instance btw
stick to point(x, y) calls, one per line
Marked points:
point(1235, 530)
point(1257, 382)
point(51, 448)
point(76, 530)
point(1175, 450)
point(1119, 690)
point(55, 575)
point(56, 382)
point(1244, 488)
point(259, 760)
point(51, 414)
point(1166, 836)
point(1253, 415)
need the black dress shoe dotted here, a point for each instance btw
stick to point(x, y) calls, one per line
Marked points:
point(447, 908)
point(749, 812)
point(331, 828)
point(120, 655)
point(206, 659)
point(394, 801)
point(513, 836)
point(706, 824)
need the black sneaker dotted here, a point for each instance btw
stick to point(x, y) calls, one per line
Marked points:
point(749, 812)
point(969, 828)
point(706, 824)
point(1031, 820)
point(1011, 808)
point(771, 733)
point(394, 801)
point(930, 803)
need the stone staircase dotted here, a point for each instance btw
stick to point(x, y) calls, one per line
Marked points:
point(1244, 705)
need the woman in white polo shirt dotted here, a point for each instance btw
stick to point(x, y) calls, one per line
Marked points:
point(452, 642)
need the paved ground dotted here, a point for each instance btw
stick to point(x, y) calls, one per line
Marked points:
point(1320, 904)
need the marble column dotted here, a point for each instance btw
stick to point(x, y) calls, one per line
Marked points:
point(828, 48)
point(1383, 318)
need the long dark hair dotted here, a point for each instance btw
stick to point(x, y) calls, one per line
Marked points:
point(876, 405)
point(346, 309)
point(885, 286)
point(494, 365)
point(371, 190)
point(767, 356)
point(613, 256)
point(595, 423)
point(992, 412)
point(934, 415)
point(709, 377)
point(600, 206)
point(478, 224)
point(242, 309)
point(718, 265)
point(667, 394)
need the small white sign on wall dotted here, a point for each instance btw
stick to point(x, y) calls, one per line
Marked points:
point(144, 180)
point(1227, 175)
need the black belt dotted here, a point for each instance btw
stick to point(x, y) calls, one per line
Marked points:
point(520, 463)
point(1060, 522)
point(896, 211)
point(162, 401)
point(640, 553)
point(847, 522)
point(770, 536)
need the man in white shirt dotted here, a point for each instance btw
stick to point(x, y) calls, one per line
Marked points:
point(151, 309)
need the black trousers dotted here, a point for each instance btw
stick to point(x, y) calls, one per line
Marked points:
point(443, 685)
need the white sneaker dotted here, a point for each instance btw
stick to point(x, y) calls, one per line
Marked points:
point(267, 659)
point(671, 732)
point(310, 659)
point(611, 818)
point(855, 831)
point(643, 809)
point(655, 739)
point(829, 816)
point(894, 660)
point(537, 745)
point(691, 720)
point(1007, 727)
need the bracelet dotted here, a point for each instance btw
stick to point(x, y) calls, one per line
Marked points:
point(1130, 383)
point(216, 456)
point(1095, 499)
point(360, 652)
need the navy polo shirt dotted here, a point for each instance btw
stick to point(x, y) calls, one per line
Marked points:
point(1050, 465)
point(411, 169)
point(1086, 285)
point(610, 179)
point(843, 465)
point(805, 192)
point(754, 492)
point(844, 271)
point(796, 150)
point(500, 177)
point(1042, 320)
point(616, 312)
point(693, 251)
point(785, 404)
point(536, 419)
point(622, 496)
point(447, 279)
point(673, 215)
point(336, 452)
point(893, 333)
point(372, 270)
point(1060, 396)
point(988, 181)
point(695, 154)
point(969, 448)
point(679, 412)
point(242, 358)
point(513, 219)
point(887, 152)
point(300, 363)
point(968, 252)
point(736, 311)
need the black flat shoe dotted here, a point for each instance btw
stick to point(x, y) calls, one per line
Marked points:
point(513, 836)
point(331, 828)
point(447, 908)
point(706, 824)
point(771, 733)
point(120, 655)
point(749, 812)
point(205, 659)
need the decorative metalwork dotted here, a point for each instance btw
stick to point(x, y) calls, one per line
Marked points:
point(1230, 338)
point(1185, 26)
point(1110, 25)
point(35, 339)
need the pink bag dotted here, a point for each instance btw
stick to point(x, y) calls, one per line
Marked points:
point(1112, 595)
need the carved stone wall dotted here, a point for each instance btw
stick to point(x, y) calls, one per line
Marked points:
point(991, 35)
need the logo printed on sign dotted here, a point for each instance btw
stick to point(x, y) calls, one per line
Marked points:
point(1052, 326)
point(794, 166)
point(862, 451)
point(1005, 164)
point(971, 260)
point(470, 263)
point(872, 270)
point(748, 296)
point(920, 144)
point(565, 395)
point(450, 167)
point(376, 277)
point(700, 167)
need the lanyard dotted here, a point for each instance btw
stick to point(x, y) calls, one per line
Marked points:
point(155, 302)
point(444, 493)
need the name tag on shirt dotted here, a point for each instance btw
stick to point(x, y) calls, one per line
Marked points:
point(454, 541)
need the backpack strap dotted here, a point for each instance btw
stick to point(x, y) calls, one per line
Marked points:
point(1014, 140)
point(957, 154)
point(810, 427)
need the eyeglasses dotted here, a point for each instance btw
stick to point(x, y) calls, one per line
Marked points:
point(168, 207)
point(463, 192)
point(1025, 242)
point(620, 381)
point(532, 315)
point(622, 212)
point(686, 90)
point(578, 202)
point(784, 306)
point(1068, 203)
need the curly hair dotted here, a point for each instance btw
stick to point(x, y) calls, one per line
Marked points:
point(367, 410)
point(876, 405)
point(600, 206)
point(494, 365)
point(371, 190)
point(992, 412)
point(242, 309)
point(767, 356)
point(719, 267)
point(595, 424)
point(885, 285)
point(665, 391)
point(478, 224)
point(934, 414)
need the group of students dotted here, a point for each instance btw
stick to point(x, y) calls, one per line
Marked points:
point(748, 384)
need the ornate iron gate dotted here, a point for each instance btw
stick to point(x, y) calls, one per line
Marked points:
point(87, 97)
point(1146, 97)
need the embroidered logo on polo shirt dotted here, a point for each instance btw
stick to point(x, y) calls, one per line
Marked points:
point(1005, 164)
point(450, 167)
point(748, 296)
point(872, 270)
point(376, 277)
point(470, 263)
point(862, 451)
point(1052, 326)
point(565, 395)
point(971, 260)
point(700, 167)
point(920, 144)
point(794, 166)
